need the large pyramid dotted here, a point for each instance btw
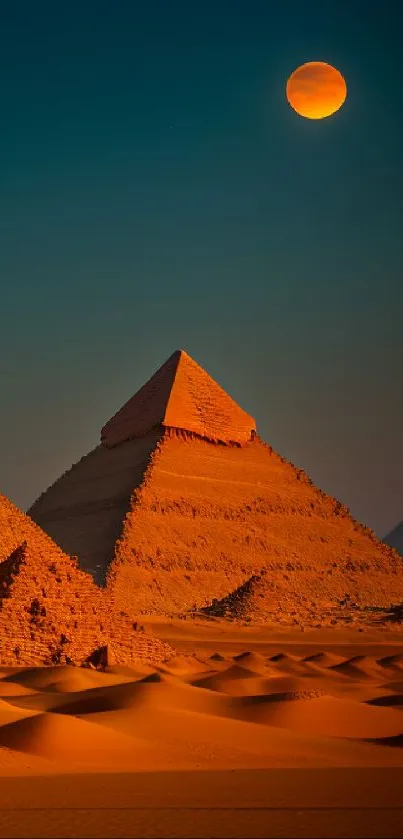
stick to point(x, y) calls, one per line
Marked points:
point(182, 507)
point(53, 612)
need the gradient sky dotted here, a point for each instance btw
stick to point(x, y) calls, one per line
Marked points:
point(157, 192)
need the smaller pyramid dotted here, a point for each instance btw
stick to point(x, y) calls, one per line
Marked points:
point(52, 612)
point(395, 538)
point(180, 395)
point(16, 527)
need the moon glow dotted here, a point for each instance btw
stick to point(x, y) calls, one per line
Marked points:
point(316, 90)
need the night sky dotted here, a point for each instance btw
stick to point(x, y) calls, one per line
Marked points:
point(157, 192)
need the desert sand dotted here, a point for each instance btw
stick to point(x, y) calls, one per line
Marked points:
point(245, 733)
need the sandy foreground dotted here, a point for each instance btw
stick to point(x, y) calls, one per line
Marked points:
point(247, 732)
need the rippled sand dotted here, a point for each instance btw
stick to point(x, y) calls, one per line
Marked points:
point(210, 713)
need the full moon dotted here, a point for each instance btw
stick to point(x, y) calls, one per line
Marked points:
point(316, 90)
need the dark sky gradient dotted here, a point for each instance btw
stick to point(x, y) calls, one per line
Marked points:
point(157, 192)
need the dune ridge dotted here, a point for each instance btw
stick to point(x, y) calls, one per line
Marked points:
point(246, 710)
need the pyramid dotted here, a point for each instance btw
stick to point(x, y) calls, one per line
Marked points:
point(180, 395)
point(83, 511)
point(182, 507)
point(53, 612)
point(395, 538)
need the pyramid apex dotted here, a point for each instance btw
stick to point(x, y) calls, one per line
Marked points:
point(181, 395)
point(180, 353)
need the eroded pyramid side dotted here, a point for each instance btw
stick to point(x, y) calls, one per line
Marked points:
point(207, 518)
point(84, 510)
point(16, 527)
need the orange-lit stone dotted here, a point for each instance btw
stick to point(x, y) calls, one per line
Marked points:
point(176, 517)
point(52, 612)
point(180, 395)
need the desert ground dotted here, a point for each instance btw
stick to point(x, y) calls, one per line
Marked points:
point(246, 732)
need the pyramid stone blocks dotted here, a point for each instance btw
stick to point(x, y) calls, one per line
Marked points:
point(182, 504)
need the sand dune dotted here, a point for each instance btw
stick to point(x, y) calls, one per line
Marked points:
point(199, 711)
point(128, 672)
point(394, 686)
point(64, 737)
point(185, 664)
point(286, 663)
point(253, 685)
point(358, 667)
point(63, 679)
point(326, 715)
point(281, 657)
point(395, 661)
point(217, 657)
point(15, 689)
point(199, 739)
point(9, 713)
point(394, 699)
point(324, 659)
point(253, 661)
point(226, 676)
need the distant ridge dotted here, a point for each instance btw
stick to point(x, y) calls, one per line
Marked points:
point(395, 538)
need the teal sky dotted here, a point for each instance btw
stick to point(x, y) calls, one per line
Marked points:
point(157, 192)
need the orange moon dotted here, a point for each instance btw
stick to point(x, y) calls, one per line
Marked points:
point(316, 90)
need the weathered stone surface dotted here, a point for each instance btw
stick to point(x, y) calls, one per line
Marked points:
point(209, 518)
point(53, 612)
point(180, 395)
point(83, 511)
point(199, 509)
